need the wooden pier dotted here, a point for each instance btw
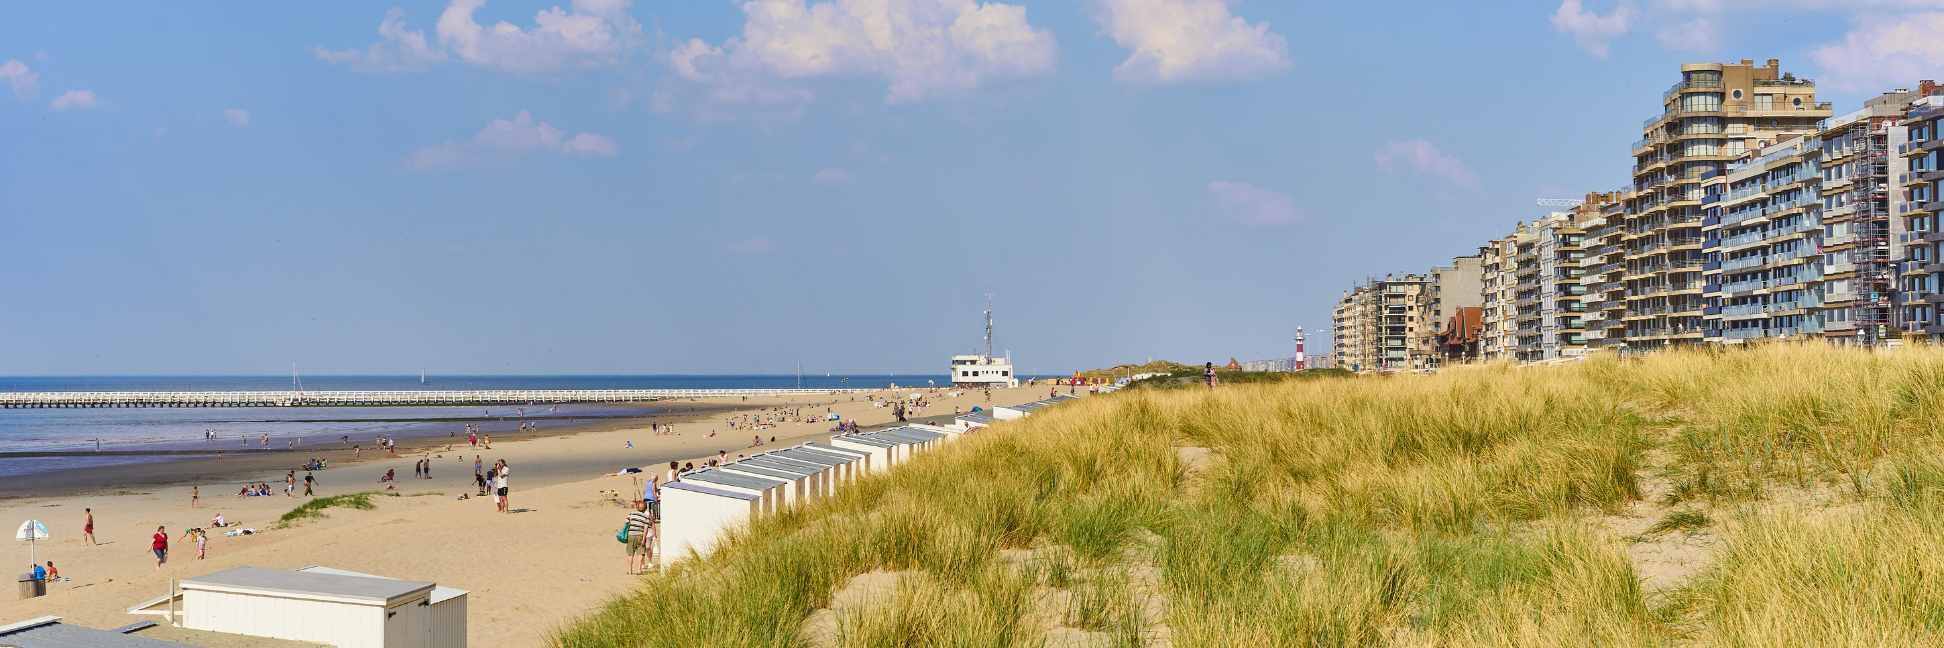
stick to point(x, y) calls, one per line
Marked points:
point(394, 398)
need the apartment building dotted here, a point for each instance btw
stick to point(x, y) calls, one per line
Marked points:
point(1861, 242)
point(1498, 310)
point(1449, 289)
point(1762, 223)
point(1922, 204)
point(1716, 113)
point(1375, 324)
point(1603, 216)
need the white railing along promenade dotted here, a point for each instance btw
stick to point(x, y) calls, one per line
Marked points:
point(18, 400)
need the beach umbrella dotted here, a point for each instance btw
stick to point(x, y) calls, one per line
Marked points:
point(31, 532)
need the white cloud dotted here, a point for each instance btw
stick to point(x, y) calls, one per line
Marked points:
point(589, 32)
point(1697, 35)
point(74, 100)
point(1185, 40)
point(509, 138)
point(832, 176)
point(920, 48)
point(1423, 157)
point(1591, 30)
point(397, 48)
point(1884, 51)
point(22, 79)
point(1253, 205)
point(237, 117)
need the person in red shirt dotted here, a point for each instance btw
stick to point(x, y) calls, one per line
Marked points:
point(160, 545)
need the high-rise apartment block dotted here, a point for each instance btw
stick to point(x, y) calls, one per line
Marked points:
point(1715, 114)
point(1752, 215)
point(1376, 325)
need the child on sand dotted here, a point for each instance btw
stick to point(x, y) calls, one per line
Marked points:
point(195, 496)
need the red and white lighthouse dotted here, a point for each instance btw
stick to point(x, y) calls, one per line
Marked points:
point(1302, 362)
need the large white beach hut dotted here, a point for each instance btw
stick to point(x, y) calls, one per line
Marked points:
point(916, 439)
point(334, 609)
point(838, 468)
point(967, 421)
point(879, 451)
point(694, 516)
point(802, 484)
point(1010, 412)
point(448, 623)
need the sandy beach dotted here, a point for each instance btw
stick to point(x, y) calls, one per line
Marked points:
point(528, 572)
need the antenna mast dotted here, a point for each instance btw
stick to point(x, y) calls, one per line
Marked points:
point(988, 335)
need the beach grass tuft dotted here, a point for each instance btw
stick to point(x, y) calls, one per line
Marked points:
point(1471, 507)
point(314, 509)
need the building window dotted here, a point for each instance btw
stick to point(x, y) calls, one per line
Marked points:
point(1764, 102)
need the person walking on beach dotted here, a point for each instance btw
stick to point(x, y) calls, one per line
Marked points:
point(195, 496)
point(290, 484)
point(159, 544)
point(638, 525)
point(87, 526)
point(499, 487)
point(309, 481)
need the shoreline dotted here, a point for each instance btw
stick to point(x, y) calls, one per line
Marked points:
point(238, 466)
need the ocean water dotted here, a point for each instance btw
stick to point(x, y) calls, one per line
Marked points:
point(170, 433)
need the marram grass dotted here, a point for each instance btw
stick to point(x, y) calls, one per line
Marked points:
point(1457, 509)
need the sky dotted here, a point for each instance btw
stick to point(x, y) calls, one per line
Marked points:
point(605, 186)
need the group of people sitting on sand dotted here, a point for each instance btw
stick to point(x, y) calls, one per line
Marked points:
point(257, 489)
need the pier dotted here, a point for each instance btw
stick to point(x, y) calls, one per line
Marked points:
point(392, 398)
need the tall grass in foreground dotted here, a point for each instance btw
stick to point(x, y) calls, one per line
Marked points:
point(1406, 510)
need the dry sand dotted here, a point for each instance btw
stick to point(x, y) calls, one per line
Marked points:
point(528, 572)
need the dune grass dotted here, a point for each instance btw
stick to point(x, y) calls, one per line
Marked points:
point(314, 509)
point(1456, 509)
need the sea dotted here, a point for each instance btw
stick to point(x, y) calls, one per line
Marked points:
point(131, 435)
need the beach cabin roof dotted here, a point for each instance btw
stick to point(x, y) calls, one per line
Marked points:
point(870, 439)
point(440, 593)
point(815, 456)
point(311, 585)
point(732, 479)
point(795, 469)
point(1028, 407)
point(912, 434)
point(693, 488)
point(980, 418)
point(831, 449)
point(49, 632)
point(762, 470)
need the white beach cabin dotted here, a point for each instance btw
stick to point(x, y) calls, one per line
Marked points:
point(339, 610)
point(770, 490)
point(816, 482)
point(801, 487)
point(879, 451)
point(448, 625)
point(966, 422)
point(916, 440)
point(694, 516)
point(837, 468)
point(860, 460)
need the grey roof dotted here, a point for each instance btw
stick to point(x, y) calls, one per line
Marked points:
point(918, 435)
point(767, 469)
point(869, 439)
point(816, 456)
point(710, 491)
point(1028, 407)
point(440, 593)
point(844, 452)
point(981, 418)
point(732, 479)
point(49, 632)
point(791, 466)
point(376, 590)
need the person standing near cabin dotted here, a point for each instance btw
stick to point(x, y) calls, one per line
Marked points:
point(638, 525)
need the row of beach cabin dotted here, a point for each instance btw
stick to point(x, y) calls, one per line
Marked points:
point(699, 508)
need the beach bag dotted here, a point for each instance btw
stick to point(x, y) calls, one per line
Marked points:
point(622, 535)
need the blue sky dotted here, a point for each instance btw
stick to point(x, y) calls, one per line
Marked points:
point(664, 186)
